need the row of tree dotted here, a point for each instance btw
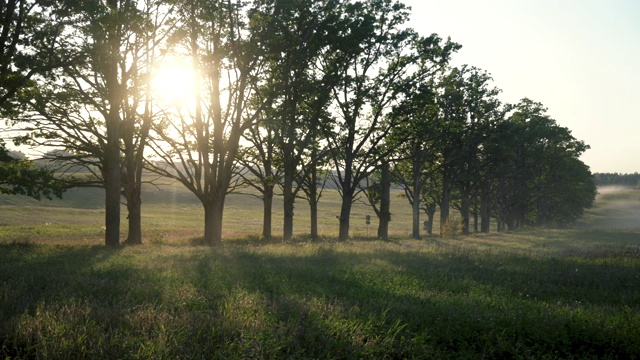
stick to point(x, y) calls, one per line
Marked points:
point(606, 179)
point(286, 94)
point(510, 163)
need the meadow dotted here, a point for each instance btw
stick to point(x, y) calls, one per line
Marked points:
point(531, 294)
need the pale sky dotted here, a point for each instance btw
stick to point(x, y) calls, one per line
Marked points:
point(579, 58)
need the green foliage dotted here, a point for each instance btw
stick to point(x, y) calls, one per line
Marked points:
point(32, 44)
point(539, 177)
point(24, 178)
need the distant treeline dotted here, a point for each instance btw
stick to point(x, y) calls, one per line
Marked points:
point(604, 179)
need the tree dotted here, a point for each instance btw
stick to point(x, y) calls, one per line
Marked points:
point(33, 42)
point(313, 179)
point(198, 145)
point(450, 125)
point(375, 59)
point(567, 190)
point(542, 179)
point(482, 108)
point(377, 191)
point(414, 144)
point(144, 53)
point(297, 39)
point(261, 168)
point(430, 197)
point(92, 108)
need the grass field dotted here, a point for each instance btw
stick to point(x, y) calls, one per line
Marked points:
point(535, 294)
point(173, 214)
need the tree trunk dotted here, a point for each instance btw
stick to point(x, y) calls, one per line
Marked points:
point(540, 214)
point(267, 202)
point(112, 181)
point(312, 194)
point(313, 208)
point(134, 162)
point(501, 217)
point(475, 217)
point(485, 211)
point(218, 211)
point(464, 210)
point(511, 223)
point(112, 208)
point(345, 213)
point(132, 189)
point(415, 204)
point(385, 203)
point(510, 217)
point(444, 207)
point(208, 223)
point(288, 203)
point(291, 95)
point(134, 207)
point(313, 202)
point(431, 213)
point(213, 211)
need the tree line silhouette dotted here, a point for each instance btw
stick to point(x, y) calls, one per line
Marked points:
point(605, 179)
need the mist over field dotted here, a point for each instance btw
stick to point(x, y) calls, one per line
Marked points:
point(604, 191)
point(618, 208)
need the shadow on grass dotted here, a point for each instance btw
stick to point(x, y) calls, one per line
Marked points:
point(60, 301)
point(550, 241)
point(318, 301)
point(462, 304)
point(44, 273)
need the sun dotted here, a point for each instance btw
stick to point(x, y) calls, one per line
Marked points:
point(173, 82)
